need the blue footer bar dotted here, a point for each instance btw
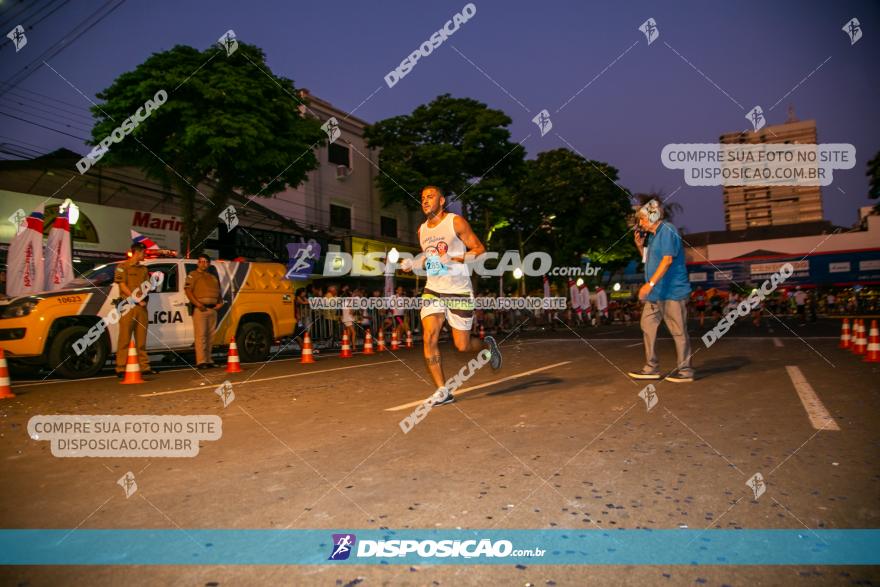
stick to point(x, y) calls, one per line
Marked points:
point(461, 547)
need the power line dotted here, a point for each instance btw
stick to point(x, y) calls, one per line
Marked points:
point(13, 153)
point(54, 10)
point(22, 143)
point(77, 106)
point(55, 49)
point(30, 26)
point(53, 113)
point(38, 117)
point(43, 126)
point(23, 7)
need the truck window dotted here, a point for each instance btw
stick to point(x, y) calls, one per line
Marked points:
point(100, 276)
point(170, 282)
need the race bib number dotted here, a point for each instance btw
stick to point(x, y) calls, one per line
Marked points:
point(434, 267)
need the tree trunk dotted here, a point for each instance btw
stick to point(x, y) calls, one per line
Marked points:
point(208, 220)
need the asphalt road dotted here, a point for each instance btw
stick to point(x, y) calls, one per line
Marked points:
point(559, 438)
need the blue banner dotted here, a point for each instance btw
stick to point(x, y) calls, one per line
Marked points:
point(849, 268)
point(458, 547)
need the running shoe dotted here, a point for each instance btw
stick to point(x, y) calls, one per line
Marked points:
point(442, 398)
point(495, 353)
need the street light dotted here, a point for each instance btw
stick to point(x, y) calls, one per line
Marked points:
point(517, 273)
point(616, 287)
point(72, 210)
point(393, 255)
point(580, 281)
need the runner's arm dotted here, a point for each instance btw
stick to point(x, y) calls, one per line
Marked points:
point(474, 247)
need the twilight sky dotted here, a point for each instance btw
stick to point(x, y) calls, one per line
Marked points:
point(711, 64)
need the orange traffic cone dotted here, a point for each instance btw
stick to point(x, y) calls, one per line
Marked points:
point(307, 349)
point(368, 344)
point(381, 340)
point(845, 340)
point(854, 335)
point(860, 346)
point(5, 387)
point(233, 365)
point(395, 343)
point(132, 367)
point(873, 355)
point(482, 332)
point(346, 348)
point(409, 341)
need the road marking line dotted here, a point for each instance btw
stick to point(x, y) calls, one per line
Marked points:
point(777, 342)
point(234, 383)
point(819, 416)
point(32, 383)
point(458, 392)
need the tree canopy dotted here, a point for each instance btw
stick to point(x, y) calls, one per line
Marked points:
point(459, 144)
point(228, 122)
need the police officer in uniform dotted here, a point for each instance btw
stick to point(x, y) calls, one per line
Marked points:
point(130, 275)
point(203, 290)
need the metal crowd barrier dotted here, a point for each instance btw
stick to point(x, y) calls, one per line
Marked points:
point(325, 326)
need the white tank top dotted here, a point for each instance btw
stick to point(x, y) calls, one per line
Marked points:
point(441, 239)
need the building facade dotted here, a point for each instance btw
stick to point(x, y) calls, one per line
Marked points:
point(821, 254)
point(751, 206)
point(338, 206)
point(341, 196)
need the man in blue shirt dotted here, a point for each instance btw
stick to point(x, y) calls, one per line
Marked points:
point(665, 292)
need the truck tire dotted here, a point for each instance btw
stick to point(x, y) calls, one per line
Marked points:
point(64, 360)
point(253, 341)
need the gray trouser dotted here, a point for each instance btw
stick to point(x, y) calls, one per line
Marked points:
point(674, 314)
point(204, 323)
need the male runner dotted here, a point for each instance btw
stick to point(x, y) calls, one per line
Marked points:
point(448, 243)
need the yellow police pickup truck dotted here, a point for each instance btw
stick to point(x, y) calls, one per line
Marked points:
point(74, 331)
